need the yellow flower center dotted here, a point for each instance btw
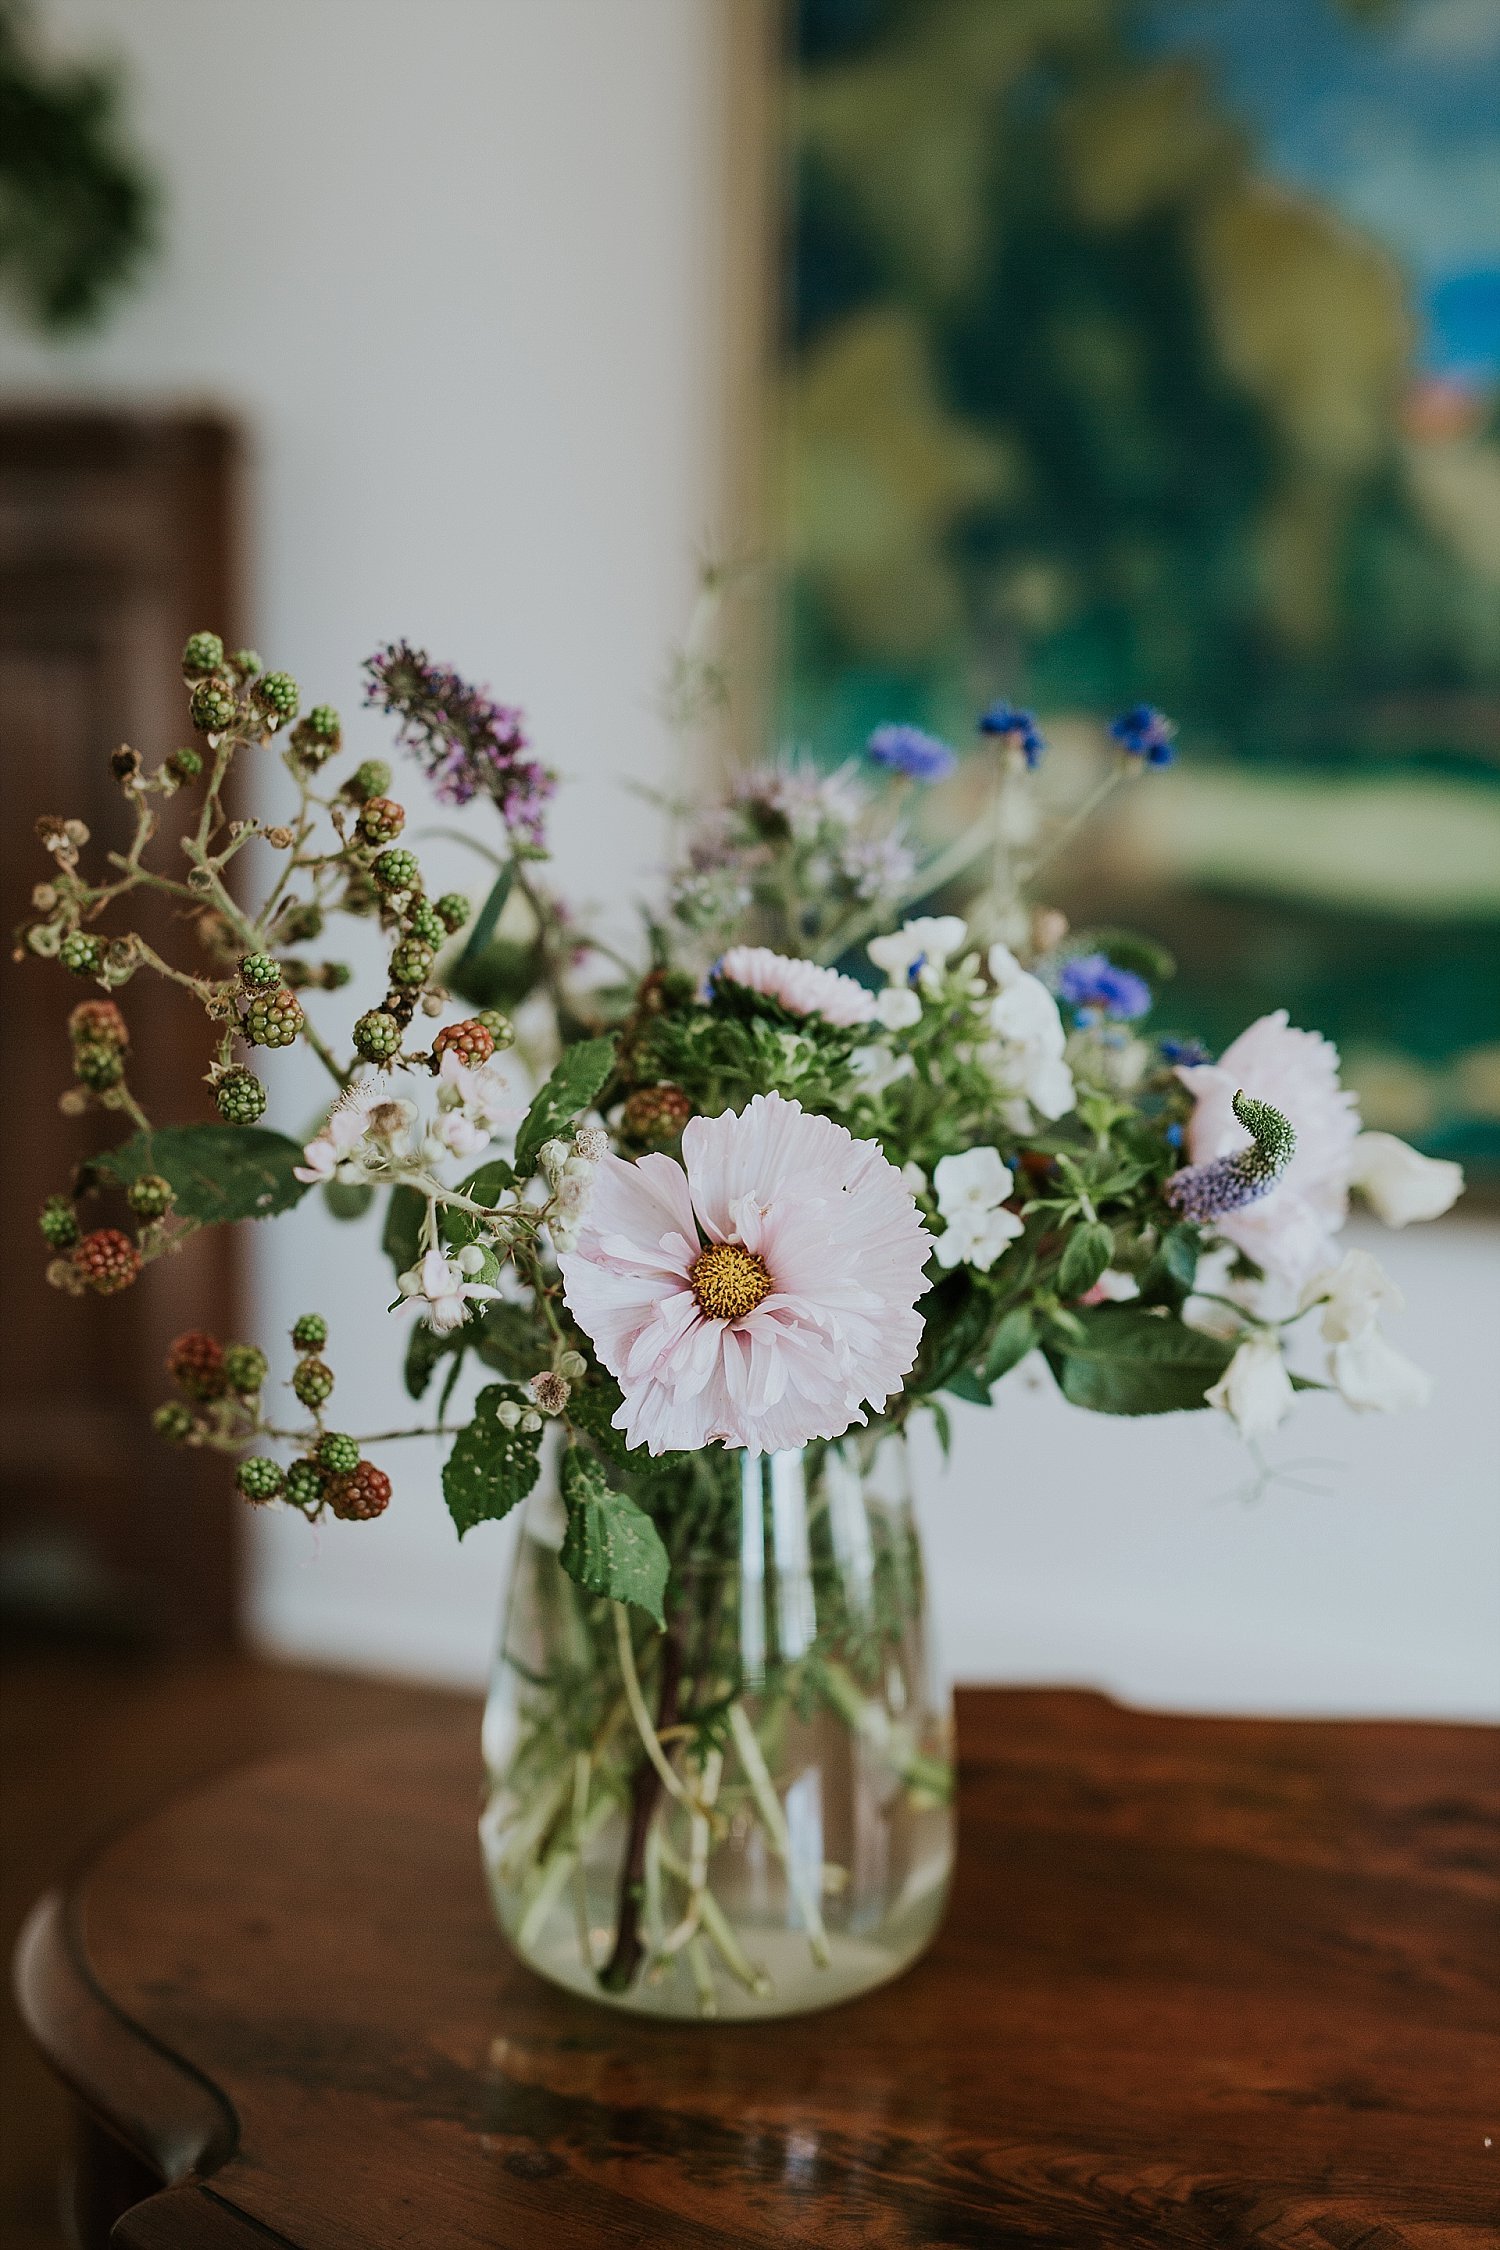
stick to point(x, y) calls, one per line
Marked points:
point(729, 1281)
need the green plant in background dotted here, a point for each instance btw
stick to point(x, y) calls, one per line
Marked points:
point(77, 205)
point(1080, 397)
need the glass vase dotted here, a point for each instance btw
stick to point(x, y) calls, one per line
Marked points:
point(748, 1814)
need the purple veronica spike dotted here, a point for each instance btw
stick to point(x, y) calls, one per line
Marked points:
point(470, 745)
point(1204, 1192)
point(908, 750)
point(1143, 732)
point(1016, 726)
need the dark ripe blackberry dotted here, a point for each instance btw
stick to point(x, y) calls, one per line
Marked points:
point(361, 1494)
point(195, 1362)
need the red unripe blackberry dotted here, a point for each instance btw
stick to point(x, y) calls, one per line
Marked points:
point(273, 1019)
point(469, 1040)
point(107, 1260)
point(382, 820)
point(240, 1096)
point(195, 1362)
point(98, 1023)
point(364, 1492)
point(310, 1333)
point(656, 1114)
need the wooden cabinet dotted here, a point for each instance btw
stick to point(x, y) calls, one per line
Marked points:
point(117, 538)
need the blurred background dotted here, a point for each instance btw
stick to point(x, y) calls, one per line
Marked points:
point(1069, 350)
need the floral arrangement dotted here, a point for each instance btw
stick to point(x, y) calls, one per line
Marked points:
point(757, 1197)
point(816, 1162)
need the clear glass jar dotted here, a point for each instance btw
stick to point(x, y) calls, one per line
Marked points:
point(750, 1814)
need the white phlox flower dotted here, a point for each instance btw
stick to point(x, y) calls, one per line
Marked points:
point(1370, 1373)
point(919, 951)
point(442, 1288)
point(1025, 1020)
point(971, 1192)
point(1255, 1390)
point(898, 1007)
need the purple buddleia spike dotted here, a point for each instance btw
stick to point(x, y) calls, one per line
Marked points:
point(470, 745)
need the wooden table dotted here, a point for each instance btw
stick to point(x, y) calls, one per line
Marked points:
point(1204, 1981)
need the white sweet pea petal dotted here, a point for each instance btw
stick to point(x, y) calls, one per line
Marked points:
point(1353, 1295)
point(923, 947)
point(976, 1237)
point(1399, 1183)
point(898, 1007)
point(1255, 1390)
point(1373, 1376)
point(1113, 1288)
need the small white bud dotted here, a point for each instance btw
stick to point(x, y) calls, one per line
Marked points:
point(507, 1414)
point(572, 1365)
point(530, 1423)
point(470, 1260)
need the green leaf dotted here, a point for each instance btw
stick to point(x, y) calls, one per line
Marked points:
point(347, 1199)
point(1135, 1362)
point(509, 1339)
point(489, 914)
point(572, 1086)
point(1171, 1272)
point(1014, 1338)
point(491, 1468)
point(485, 1186)
point(611, 1546)
point(1087, 1254)
point(401, 1237)
point(966, 1384)
point(425, 1347)
point(942, 1425)
point(218, 1173)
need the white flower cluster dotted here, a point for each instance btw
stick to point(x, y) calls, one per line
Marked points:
point(371, 1135)
point(569, 1168)
point(1256, 1388)
point(1021, 1034)
point(972, 1190)
point(442, 1287)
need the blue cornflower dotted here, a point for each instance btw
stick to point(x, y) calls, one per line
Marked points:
point(921, 757)
point(1093, 984)
point(1143, 732)
point(1017, 726)
point(1175, 1136)
point(1186, 1052)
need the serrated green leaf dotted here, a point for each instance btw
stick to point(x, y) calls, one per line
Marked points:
point(219, 1173)
point(491, 1469)
point(424, 1348)
point(571, 1088)
point(966, 1384)
point(401, 1236)
point(1088, 1252)
point(1135, 1362)
point(610, 1546)
point(1014, 1338)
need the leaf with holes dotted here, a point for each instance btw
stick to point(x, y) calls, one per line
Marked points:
point(491, 1469)
point(218, 1173)
point(571, 1088)
point(611, 1546)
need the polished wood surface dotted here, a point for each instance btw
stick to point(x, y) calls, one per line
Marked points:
point(1203, 1982)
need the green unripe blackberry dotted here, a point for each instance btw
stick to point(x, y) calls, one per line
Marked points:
point(452, 910)
point(310, 1333)
point(411, 961)
point(371, 779)
point(338, 1454)
point(186, 764)
point(336, 974)
point(305, 1484)
point(426, 923)
point(245, 1369)
point(377, 1035)
point(260, 1478)
point(313, 1381)
point(397, 871)
point(300, 922)
point(59, 1222)
point(499, 1026)
point(273, 1019)
point(240, 1096)
point(81, 953)
point(150, 1197)
point(278, 696)
point(212, 706)
point(247, 662)
point(174, 1422)
point(99, 1064)
point(315, 738)
point(204, 653)
point(382, 820)
point(258, 972)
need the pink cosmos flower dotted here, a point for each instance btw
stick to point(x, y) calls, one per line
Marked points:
point(759, 1294)
point(1289, 1232)
point(802, 988)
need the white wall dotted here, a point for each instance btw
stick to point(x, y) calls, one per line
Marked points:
point(459, 266)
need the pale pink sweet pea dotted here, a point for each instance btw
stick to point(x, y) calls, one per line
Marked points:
point(1290, 1233)
point(821, 1239)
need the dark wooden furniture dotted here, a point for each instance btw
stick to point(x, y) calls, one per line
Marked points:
point(117, 539)
point(1203, 1982)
